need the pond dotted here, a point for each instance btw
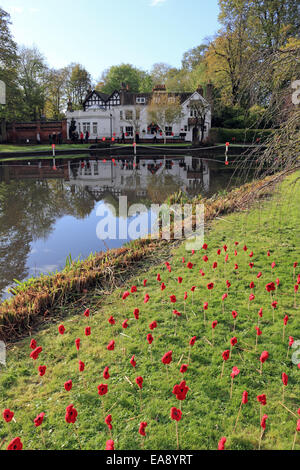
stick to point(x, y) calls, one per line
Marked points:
point(50, 210)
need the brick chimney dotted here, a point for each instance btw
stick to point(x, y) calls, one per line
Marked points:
point(200, 90)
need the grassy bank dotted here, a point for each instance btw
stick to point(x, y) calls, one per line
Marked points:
point(208, 411)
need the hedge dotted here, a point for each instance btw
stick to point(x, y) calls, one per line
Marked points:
point(239, 136)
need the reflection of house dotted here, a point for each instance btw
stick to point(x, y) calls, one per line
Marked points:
point(118, 178)
point(122, 112)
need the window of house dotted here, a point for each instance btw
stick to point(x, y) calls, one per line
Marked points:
point(86, 126)
point(187, 128)
point(171, 99)
point(169, 131)
point(95, 128)
point(140, 100)
point(129, 131)
point(129, 115)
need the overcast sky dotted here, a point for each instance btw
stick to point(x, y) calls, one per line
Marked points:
point(101, 33)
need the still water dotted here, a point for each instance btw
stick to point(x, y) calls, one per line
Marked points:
point(48, 213)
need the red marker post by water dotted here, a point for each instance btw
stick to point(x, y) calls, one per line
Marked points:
point(226, 153)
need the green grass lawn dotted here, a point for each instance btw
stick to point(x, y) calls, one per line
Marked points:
point(36, 148)
point(208, 411)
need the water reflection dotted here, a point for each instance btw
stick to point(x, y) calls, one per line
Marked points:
point(47, 214)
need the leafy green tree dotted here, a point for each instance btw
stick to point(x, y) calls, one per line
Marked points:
point(56, 100)
point(194, 57)
point(32, 73)
point(78, 83)
point(9, 70)
point(136, 80)
point(164, 110)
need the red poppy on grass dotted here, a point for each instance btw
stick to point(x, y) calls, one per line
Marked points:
point(35, 354)
point(185, 296)
point(263, 421)
point(270, 287)
point(226, 355)
point(38, 421)
point(139, 381)
point(88, 331)
point(218, 252)
point(205, 259)
point(68, 385)
point(81, 366)
point(42, 370)
point(264, 356)
point(245, 398)
point(142, 429)
point(111, 346)
point(235, 372)
point(133, 362)
point(133, 290)
point(176, 414)
point(145, 282)
point(61, 329)
point(193, 289)
point(150, 338)
point(87, 313)
point(215, 265)
point(285, 379)
point(251, 265)
point(77, 343)
point(180, 280)
point(173, 299)
point(15, 444)
point(214, 324)
point(112, 321)
point(8, 415)
point(205, 306)
point(125, 295)
point(258, 331)
point(175, 312)
point(193, 341)
point(158, 278)
point(108, 421)
point(110, 445)
point(210, 286)
point(222, 442)
point(183, 368)
point(106, 375)
point(181, 391)
point(259, 275)
point(236, 267)
point(102, 389)
point(262, 399)
point(251, 297)
point(190, 265)
point(33, 344)
point(153, 325)
point(234, 314)
point(233, 341)
point(167, 358)
point(146, 298)
point(124, 324)
point(205, 246)
point(163, 287)
point(245, 248)
point(71, 414)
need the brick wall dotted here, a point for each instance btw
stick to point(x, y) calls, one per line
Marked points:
point(19, 132)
